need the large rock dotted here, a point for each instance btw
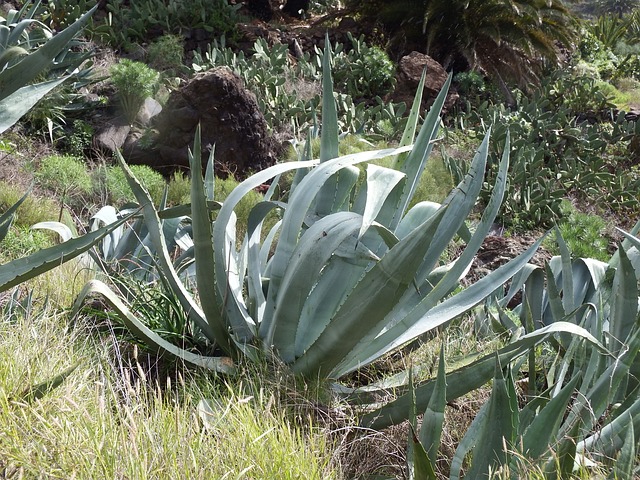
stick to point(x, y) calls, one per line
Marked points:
point(408, 77)
point(230, 120)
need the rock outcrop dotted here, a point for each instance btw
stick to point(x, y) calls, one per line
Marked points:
point(230, 120)
point(408, 77)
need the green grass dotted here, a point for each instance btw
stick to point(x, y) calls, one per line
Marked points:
point(115, 418)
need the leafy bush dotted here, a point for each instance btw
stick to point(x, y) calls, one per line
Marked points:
point(64, 175)
point(119, 191)
point(134, 82)
point(363, 72)
point(166, 53)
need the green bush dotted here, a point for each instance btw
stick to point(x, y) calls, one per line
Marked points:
point(31, 211)
point(584, 234)
point(166, 53)
point(134, 82)
point(364, 72)
point(65, 175)
point(119, 191)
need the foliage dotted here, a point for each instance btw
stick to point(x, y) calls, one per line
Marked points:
point(357, 266)
point(26, 53)
point(59, 14)
point(586, 404)
point(143, 20)
point(288, 91)
point(585, 234)
point(134, 82)
point(119, 191)
point(78, 139)
point(504, 38)
point(561, 150)
point(64, 175)
point(364, 71)
point(166, 53)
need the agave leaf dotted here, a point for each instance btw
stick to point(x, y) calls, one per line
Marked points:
point(540, 434)
point(14, 78)
point(624, 305)
point(416, 323)
point(433, 419)
point(204, 256)
point(6, 219)
point(593, 403)
point(14, 106)
point(61, 229)
point(472, 376)
point(409, 133)
point(148, 336)
point(468, 441)
point(164, 261)
point(625, 463)
point(611, 437)
point(310, 256)
point(563, 463)
point(36, 392)
point(17, 271)
point(369, 302)
point(499, 427)
point(417, 159)
point(329, 134)
point(329, 140)
point(380, 182)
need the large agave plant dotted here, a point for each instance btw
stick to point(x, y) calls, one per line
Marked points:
point(349, 273)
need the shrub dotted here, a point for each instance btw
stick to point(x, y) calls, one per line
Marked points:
point(134, 82)
point(166, 53)
point(119, 191)
point(364, 72)
point(65, 175)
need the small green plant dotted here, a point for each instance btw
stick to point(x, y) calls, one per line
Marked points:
point(134, 82)
point(78, 140)
point(119, 191)
point(166, 53)
point(584, 234)
point(64, 175)
point(364, 71)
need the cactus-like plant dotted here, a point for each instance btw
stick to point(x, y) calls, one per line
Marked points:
point(19, 67)
point(348, 275)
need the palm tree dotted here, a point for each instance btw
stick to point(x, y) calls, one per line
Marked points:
point(507, 39)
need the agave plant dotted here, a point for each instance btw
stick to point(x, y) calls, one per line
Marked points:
point(349, 273)
point(25, 55)
point(590, 407)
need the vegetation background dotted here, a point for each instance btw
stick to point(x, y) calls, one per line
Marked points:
point(137, 339)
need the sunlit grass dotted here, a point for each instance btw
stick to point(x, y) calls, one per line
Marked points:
point(112, 419)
